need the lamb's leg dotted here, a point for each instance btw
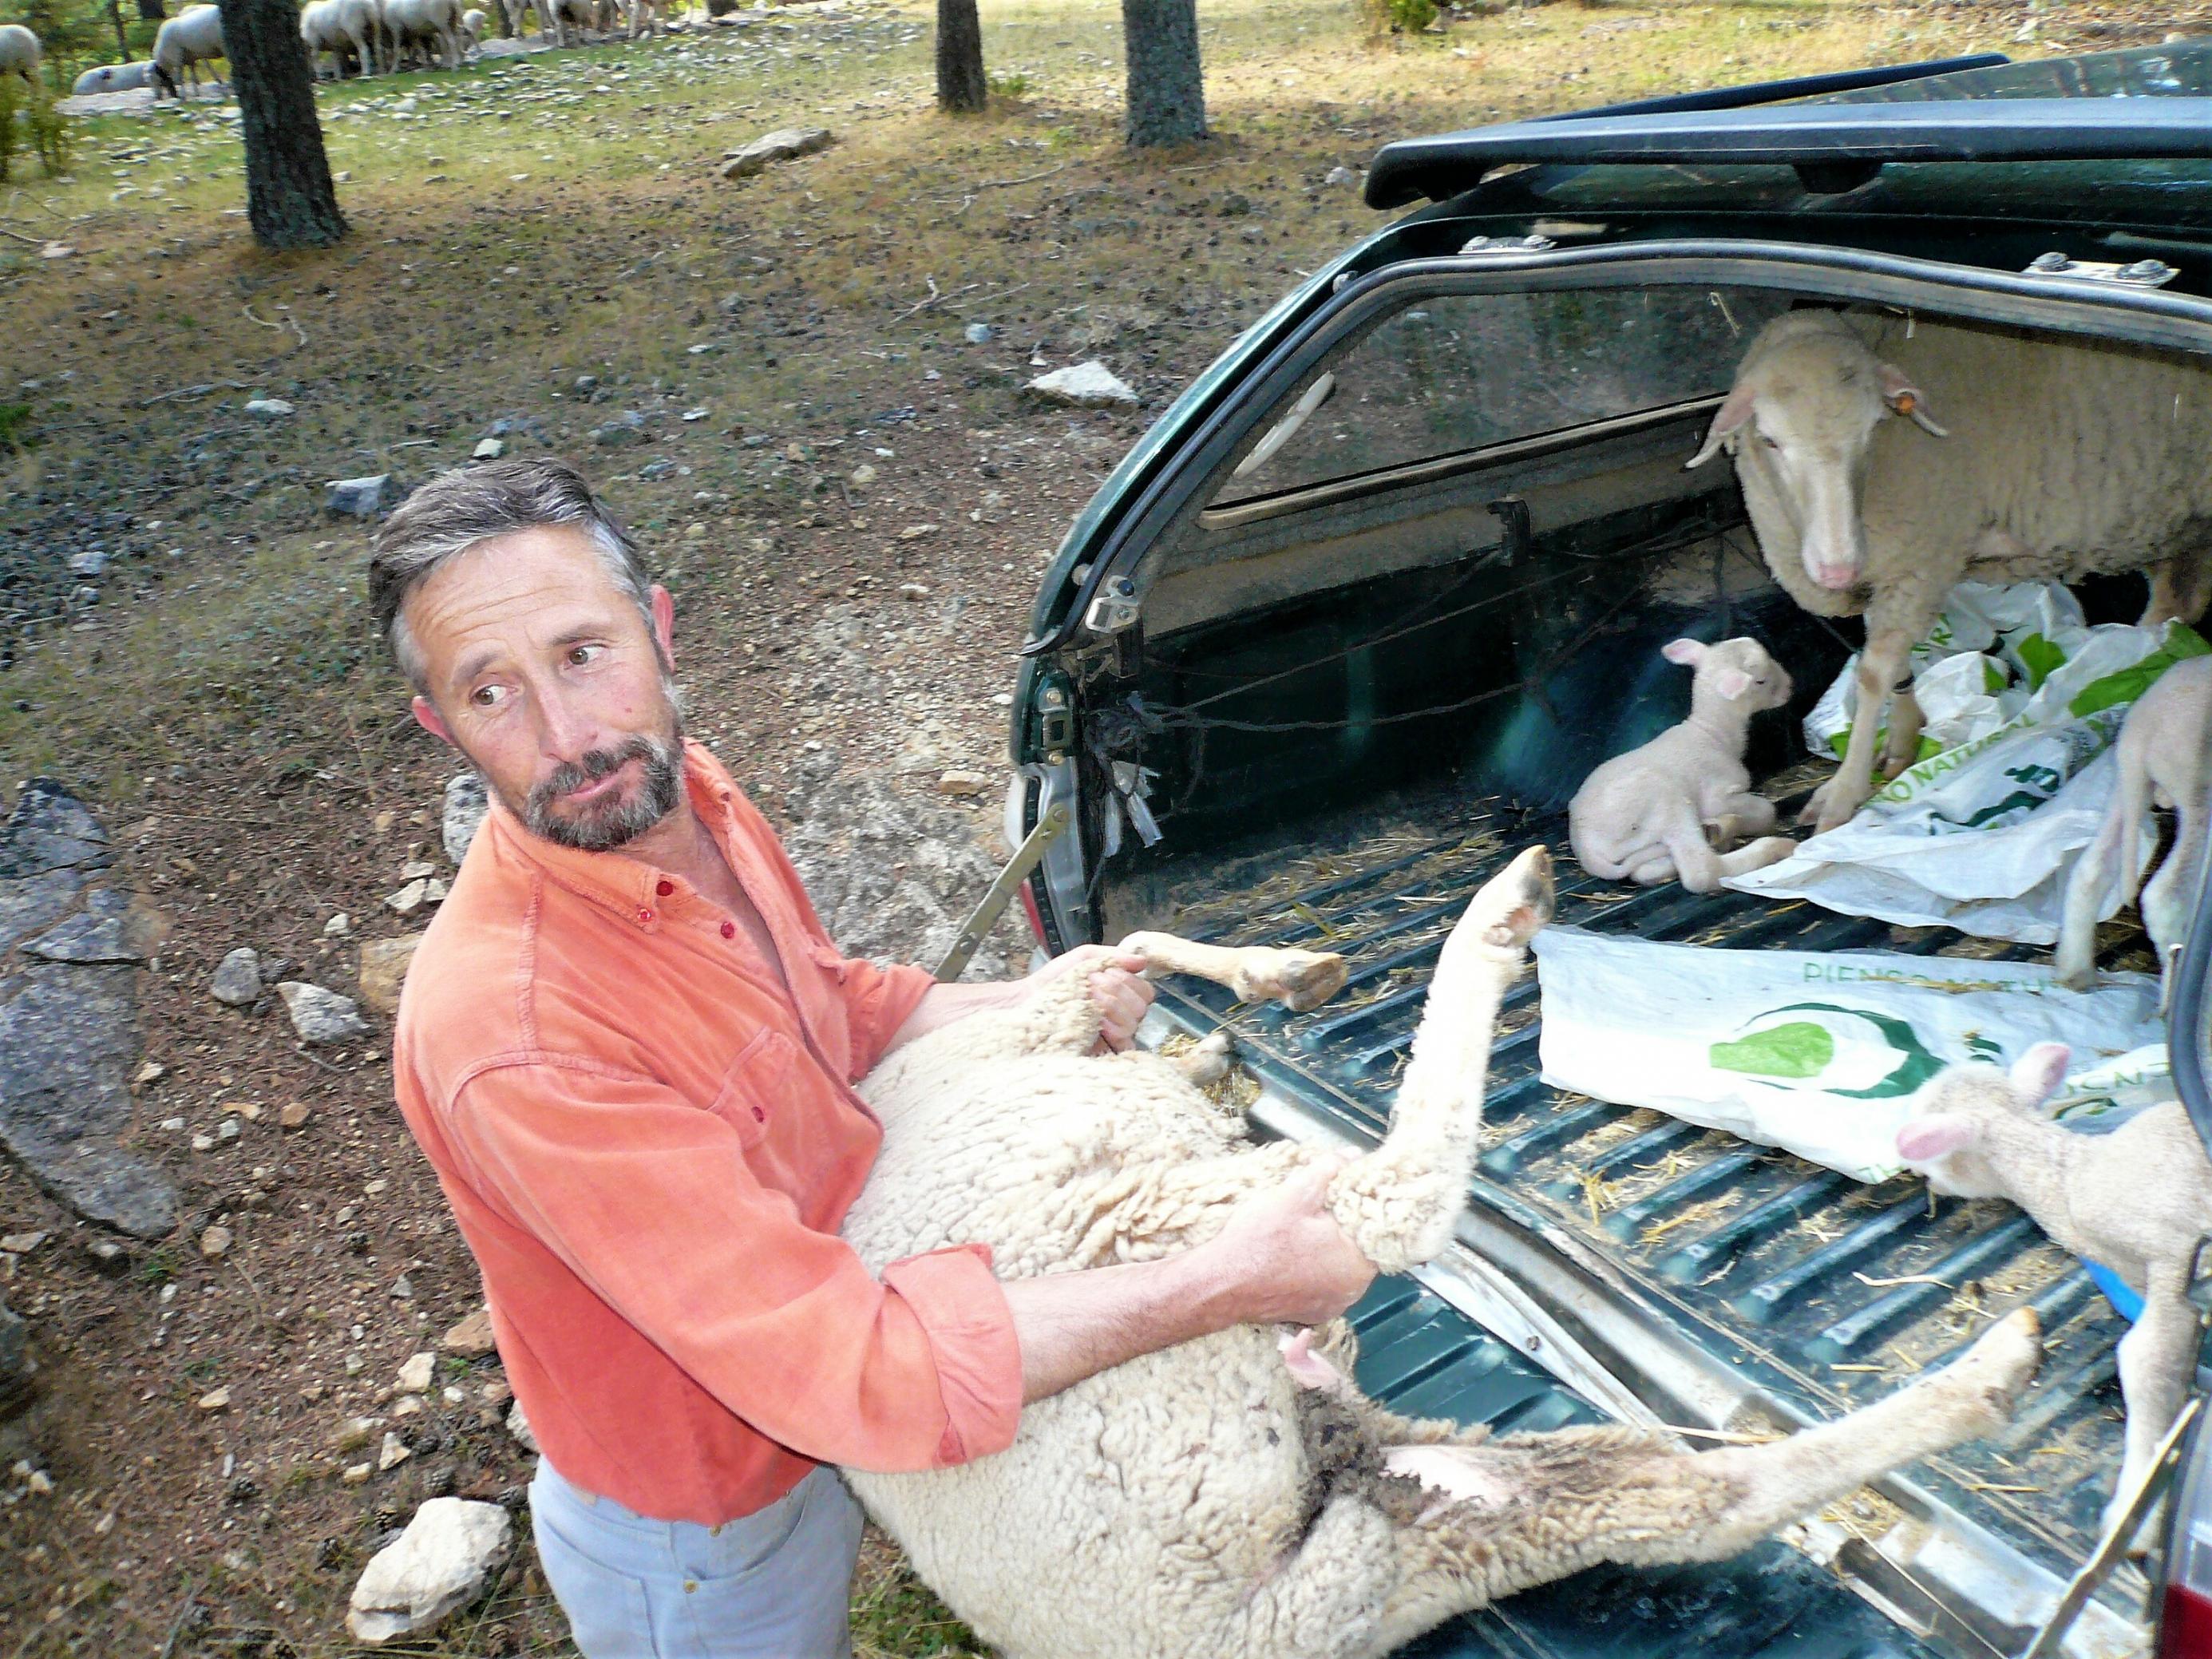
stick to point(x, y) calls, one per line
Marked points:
point(1300, 980)
point(2180, 588)
point(1398, 1201)
point(2116, 839)
point(1579, 1496)
point(1326, 1600)
point(1208, 1062)
point(1739, 817)
point(1905, 721)
point(2168, 897)
point(1882, 666)
point(2158, 1362)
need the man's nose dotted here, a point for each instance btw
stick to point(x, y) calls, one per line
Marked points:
point(565, 732)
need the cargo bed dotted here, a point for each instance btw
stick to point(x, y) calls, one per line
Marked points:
point(1724, 1284)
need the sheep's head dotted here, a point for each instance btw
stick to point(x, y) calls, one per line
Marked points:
point(1800, 421)
point(1943, 1139)
point(1735, 670)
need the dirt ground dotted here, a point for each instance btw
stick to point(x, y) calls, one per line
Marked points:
point(851, 499)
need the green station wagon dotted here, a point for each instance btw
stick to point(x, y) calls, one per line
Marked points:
point(1354, 619)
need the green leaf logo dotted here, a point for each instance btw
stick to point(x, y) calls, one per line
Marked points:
point(1837, 1047)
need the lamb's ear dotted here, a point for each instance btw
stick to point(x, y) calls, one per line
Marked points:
point(1906, 398)
point(1731, 682)
point(1927, 1139)
point(1728, 421)
point(1688, 652)
point(2038, 1073)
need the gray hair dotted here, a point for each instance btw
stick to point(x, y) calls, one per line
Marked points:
point(456, 510)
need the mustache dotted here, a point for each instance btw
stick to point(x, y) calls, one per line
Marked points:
point(589, 767)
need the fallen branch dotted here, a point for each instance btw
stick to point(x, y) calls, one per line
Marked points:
point(923, 305)
point(35, 241)
point(194, 391)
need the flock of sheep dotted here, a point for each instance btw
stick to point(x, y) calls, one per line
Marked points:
point(362, 37)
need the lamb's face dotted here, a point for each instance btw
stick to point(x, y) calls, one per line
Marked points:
point(1748, 675)
point(1946, 1137)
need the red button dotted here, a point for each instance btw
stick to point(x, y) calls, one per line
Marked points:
point(759, 1116)
point(665, 888)
point(729, 930)
point(645, 915)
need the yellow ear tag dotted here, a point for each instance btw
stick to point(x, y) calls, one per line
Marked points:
point(1904, 403)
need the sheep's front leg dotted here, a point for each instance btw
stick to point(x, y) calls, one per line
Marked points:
point(1737, 817)
point(2180, 588)
point(2158, 1362)
point(1398, 1201)
point(1300, 980)
point(1905, 721)
point(1882, 666)
point(2168, 895)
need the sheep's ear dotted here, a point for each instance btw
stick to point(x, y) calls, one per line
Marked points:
point(1927, 1139)
point(1728, 421)
point(2038, 1073)
point(1906, 398)
point(1732, 682)
point(1688, 652)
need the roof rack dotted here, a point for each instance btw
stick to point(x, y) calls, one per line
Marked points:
point(1833, 146)
point(1799, 86)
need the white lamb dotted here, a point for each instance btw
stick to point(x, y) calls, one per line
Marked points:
point(20, 51)
point(2166, 746)
point(340, 27)
point(192, 37)
point(1675, 807)
point(113, 77)
point(2061, 461)
point(2137, 1201)
point(1201, 1500)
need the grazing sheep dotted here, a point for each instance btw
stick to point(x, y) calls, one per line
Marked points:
point(20, 51)
point(1204, 1500)
point(2061, 461)
point(472, 26)
point(192, 37)
point(1675, 807)
point(644, 17)
point(2137, 1201)
point(340, 28)
point(2166, 746)
point(113, 77)
point(426, 23)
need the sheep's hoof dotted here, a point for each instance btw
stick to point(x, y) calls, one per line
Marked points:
point(1207, 1062)
point(1300, 980)
point(1514, 904)
point(1993, 1373)
point(1830, 807)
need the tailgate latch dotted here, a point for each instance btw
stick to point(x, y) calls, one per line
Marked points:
point(2140, 273)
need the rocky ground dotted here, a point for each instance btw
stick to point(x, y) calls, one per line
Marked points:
point(250, 1318)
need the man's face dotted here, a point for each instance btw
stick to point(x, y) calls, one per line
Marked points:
point(542, 672)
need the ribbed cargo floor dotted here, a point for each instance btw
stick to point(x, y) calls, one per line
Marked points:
point(1825, 1292)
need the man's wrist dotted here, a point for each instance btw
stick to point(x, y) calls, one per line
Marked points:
point(1205, 1289)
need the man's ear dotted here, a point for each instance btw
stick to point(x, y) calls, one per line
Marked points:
point(664, 623)
point(428, 717)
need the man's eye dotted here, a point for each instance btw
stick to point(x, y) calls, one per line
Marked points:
point(583, 655)
point(488, 696)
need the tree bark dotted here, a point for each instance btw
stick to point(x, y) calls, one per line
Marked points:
point(961, 87)
point(1167, 90)
point(122, 41)
point(289, 198)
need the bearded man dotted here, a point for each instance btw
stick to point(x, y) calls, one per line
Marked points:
point(629, 1050)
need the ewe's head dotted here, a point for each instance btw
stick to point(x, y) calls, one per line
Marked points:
point(1799, 422)
point(1735, 671)
point(1943, 1139)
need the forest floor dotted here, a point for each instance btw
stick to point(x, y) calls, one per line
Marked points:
point(546, 242)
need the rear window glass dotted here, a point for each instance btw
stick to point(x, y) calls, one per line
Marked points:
point(1463, 371)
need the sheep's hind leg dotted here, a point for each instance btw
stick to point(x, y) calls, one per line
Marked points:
point(1300, 980)
point(2180, 588)
point(1579, 1496)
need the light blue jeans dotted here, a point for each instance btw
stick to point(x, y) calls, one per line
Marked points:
point(769, 1585)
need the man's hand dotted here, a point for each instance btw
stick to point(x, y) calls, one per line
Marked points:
point(1283, 1259)
point(1117, 985)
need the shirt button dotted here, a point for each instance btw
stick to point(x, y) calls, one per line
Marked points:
point(690, 1585)
point(665, 888)
point(760, 1114)
point(645, 915)
point(729, 930)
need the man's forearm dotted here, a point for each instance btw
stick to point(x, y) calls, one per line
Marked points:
point(941, 1005)
point(1071, 1326)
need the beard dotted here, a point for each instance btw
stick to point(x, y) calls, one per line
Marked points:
point(600, 826)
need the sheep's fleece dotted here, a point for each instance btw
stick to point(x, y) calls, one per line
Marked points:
point(1205, 1500)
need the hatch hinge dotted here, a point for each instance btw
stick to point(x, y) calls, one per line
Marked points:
point(1114, 609)
point(2138, 273)
point(993, 905)
point(1491, 247)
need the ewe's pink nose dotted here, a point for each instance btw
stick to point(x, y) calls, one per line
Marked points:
point(1837, 577)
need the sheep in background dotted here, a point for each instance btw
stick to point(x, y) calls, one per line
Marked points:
point(20, 51)
point(472, 27)
point(2166, 745)
point(339, 26)
point(2060, 461)
point(113, 77)
point(644, 17)
point(2137, 1201)
point(192, 37)
point(1675, 807)
point(1216, 1505)
point(431, 24)
point(554, 17)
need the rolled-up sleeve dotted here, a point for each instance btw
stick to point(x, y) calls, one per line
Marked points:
point(878, 1002)
point(649, 1200)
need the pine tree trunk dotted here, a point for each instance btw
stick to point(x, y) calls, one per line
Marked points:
point(290, 199)
point(122, 41)
point(961, 87)
point(1167, 90)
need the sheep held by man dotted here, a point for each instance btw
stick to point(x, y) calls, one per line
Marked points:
point(1883, 464)
point(1231, 1498)
point(113, 77)
point(2137, 1201)
point(192, 37)
point(1678, 805)
point(20, 51)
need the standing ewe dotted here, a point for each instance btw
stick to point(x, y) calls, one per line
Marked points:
point(2166, 744)
point(20, 51)
point(192, 37)
point(340, 27)
point(1175, 1504)
point(2137, 1201)
point(2067, 462)
point(1644, 815)
point(428, 23)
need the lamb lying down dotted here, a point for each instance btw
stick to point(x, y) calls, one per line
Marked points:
point(1201, 1500)
point(1675, 807)
point(2137, 1201)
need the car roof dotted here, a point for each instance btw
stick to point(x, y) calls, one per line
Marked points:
point(2119, 136)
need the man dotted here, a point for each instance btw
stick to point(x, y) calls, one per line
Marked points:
point(629, 1050)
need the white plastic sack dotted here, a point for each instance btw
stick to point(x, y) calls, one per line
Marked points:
point(1818, 1053)
point(1981, 835)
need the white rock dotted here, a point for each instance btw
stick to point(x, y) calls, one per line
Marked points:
point(464, 809)
point(489, 449)
point(338, 926)
point(320, 1016)
point(237, 979)
point(443, 1561)
point(1341, 175)
point(408, 899)
point(268, 409)
point(393, 1454)
point(414, 869)
point(415, 1375)
point(1091, 385)
point(519, 1426)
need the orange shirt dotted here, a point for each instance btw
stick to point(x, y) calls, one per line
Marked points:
point(649, 1149)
